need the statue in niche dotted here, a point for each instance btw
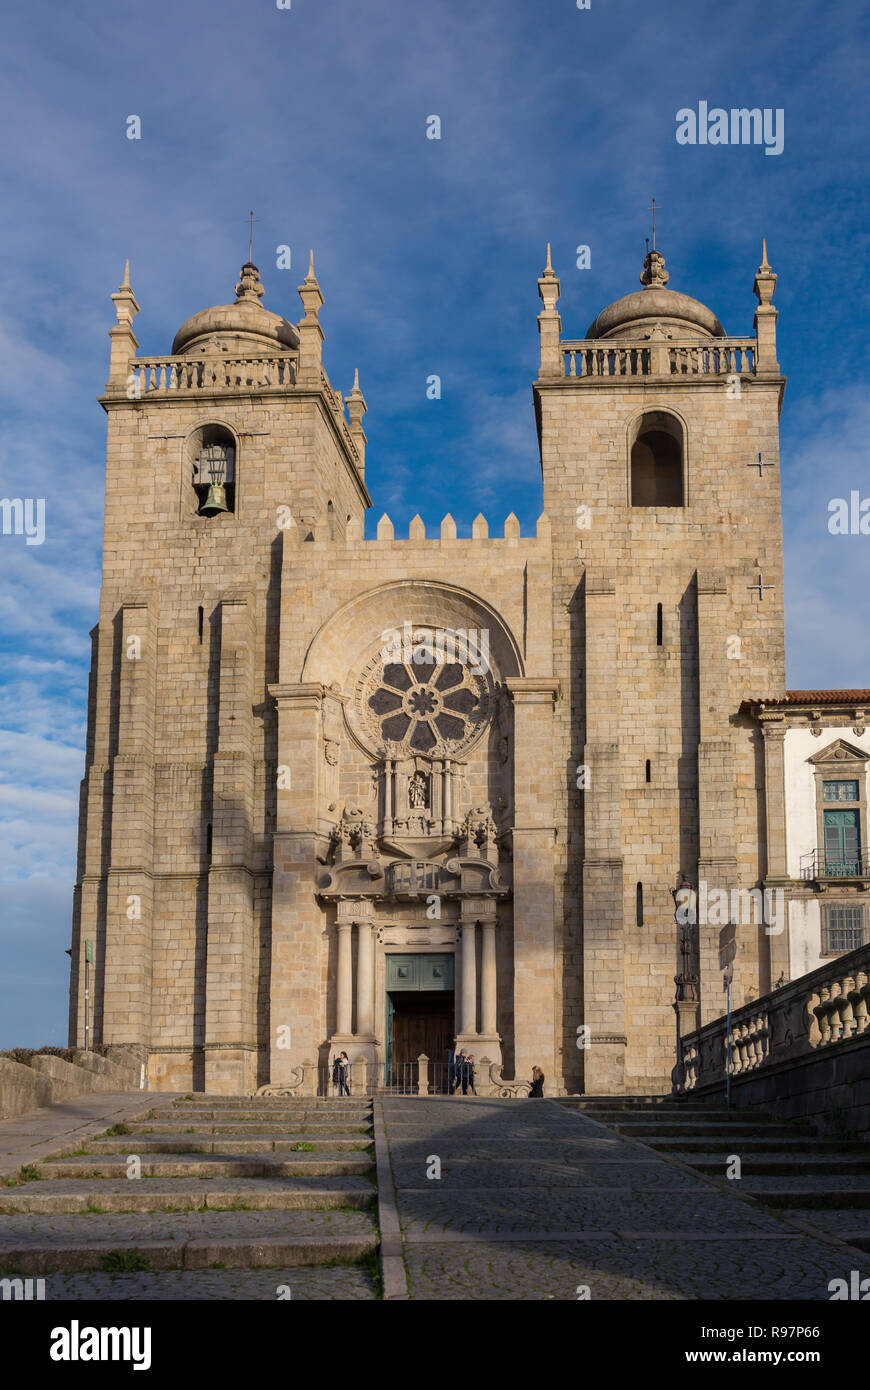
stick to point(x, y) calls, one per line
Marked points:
point(418, 792)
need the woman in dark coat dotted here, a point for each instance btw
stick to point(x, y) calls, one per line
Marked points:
point(536, 1085)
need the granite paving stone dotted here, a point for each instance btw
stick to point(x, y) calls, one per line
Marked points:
point(542, 1202)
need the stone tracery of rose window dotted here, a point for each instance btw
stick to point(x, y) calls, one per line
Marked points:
point(426, 708)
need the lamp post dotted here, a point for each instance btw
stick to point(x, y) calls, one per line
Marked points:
point(727, 952)
point(687, 983)
point(89, 956)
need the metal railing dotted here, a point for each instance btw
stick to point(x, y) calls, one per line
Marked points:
point(365, 1078)
point(819, 863)
point(418, 1078)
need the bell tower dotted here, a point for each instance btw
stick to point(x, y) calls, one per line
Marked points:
point(659, 442)
point(222, 452)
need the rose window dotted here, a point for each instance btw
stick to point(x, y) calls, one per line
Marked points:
point(425, 707)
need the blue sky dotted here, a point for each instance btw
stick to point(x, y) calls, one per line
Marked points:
point(557, 124)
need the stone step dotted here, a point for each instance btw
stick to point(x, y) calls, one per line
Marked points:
point(262, 1104)
point(650, 1130)
point(65, 1195)
point(808, 1194)
point(637, 1115)
point(240, 1253)
point(199, 1166)
point(653, 1104)
point(759, 1165)
point(220, 1144)
point(851, 1224)
point(761, 1144)
point(290, 1117)
point(245, 1127)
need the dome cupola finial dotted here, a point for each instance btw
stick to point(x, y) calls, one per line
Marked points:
point(654, 273)
point(250, 287)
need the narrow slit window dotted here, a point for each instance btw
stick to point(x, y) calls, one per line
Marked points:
point(648, 770)
point(200, 620)
point(639, 904)
point(659, 625)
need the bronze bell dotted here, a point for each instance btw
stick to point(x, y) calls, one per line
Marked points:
point(216, 501)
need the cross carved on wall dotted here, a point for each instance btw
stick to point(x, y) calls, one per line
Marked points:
point(758, 588)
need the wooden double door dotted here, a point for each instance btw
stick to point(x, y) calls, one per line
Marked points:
point(422, 1023)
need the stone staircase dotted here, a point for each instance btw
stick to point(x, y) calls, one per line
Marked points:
point(205, 1196)
point(820, 1180)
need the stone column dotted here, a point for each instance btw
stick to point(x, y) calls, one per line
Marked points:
point(364, 980)
point(479, 912)
point(469, 980)
point(345, 980)
point(359, 1044)
point(488, 984)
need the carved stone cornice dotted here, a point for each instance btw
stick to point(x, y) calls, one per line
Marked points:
point(533, 690)
point(311, 691)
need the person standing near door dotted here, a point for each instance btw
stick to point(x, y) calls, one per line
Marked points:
point(340, 1069)
point(458, 1069)
point(468, 1074)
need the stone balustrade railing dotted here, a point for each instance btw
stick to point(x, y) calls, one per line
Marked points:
point(337, 401)
point(218, 372)
point(714, 357)
point(819, 1010)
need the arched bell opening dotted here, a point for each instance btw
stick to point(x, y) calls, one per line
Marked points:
point(658, 461)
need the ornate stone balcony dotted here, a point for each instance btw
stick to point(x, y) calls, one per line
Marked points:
point(826, 1007)
point(659, 357)
point(157, 375)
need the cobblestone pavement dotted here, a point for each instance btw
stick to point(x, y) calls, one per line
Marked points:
point(811, 1182)
point(838, 1221)
point(539, 1202)
point(304, 1284)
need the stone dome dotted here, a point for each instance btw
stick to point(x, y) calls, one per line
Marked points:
point(635, 315)
point(244, 327)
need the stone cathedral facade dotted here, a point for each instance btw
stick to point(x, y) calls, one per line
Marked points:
point(390, 794)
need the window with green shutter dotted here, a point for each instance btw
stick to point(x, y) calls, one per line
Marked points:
point(842, 843)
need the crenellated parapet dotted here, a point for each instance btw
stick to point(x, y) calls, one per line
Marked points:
point(448, 532)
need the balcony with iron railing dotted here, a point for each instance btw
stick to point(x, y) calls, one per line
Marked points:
point(410, 878)
point(820, 864)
